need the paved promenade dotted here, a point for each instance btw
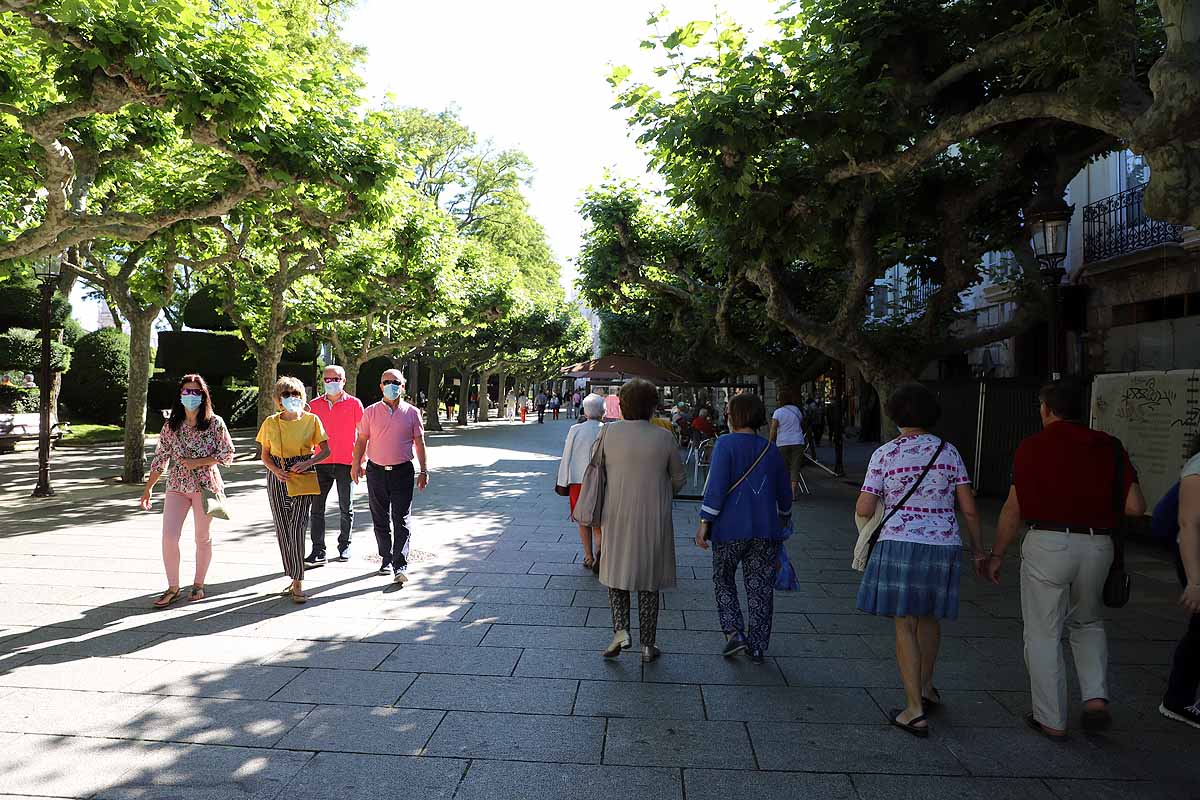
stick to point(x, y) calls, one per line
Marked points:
point(483, 677)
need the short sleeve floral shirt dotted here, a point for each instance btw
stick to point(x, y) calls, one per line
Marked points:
point(189, 442)
point(928, 517)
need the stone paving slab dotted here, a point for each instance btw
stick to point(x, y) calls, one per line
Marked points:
point(337, 776)
point(200, 679)
point(778, 704)
point(849, 748)
point(345, 687)
point(893, 787)
point(479, 693)
point(206, 720)
point(358, 729)
point(511, 779)
point(712, 784)
point(678, 743)
point(642, 700)
point(453, 660)
point(519, 737)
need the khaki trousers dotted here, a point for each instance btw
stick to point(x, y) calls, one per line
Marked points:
point(1062, 580)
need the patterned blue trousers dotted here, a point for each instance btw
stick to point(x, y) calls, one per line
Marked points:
point(758, 558)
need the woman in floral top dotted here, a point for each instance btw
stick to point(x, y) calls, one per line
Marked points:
point(193, 443)
point(913, 573)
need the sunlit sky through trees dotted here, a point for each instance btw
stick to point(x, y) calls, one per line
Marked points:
point(529, 74)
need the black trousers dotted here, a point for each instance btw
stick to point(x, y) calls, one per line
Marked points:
point(327, 476)
point(541, 414)
point(390, 494)
point(1185, 669)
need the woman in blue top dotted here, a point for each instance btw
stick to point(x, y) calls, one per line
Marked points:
point(746, 525)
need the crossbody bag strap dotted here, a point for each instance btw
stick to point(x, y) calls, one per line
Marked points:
point(912, 490)
point(746, 474)
point(1119, 503)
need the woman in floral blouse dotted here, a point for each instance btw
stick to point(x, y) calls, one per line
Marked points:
point(194, 441)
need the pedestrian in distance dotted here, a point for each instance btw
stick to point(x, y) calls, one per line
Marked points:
point(339, 413)
point(390, 435)
point(816, 421)
point(643, 472)
point(510, 405)
point(576, 403)
point(522, 404)
point(193, 443)
point(293, 442)
point(1071, 485)
point(787, 432)
point(577, 452)
point(912, 574)
point(746, 510)
point(612, 405)
point(555, 405)
point(540, 404)
point(473, 406)
point(1180, 701)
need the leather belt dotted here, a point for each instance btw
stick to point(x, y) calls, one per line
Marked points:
point(1059, 528)
point(387, 467)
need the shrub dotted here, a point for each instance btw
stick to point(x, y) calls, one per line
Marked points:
point(234, 404)
point(203, 311)
point(95, 386)
point(21, 349)
point(21, 305)
point(19, 400)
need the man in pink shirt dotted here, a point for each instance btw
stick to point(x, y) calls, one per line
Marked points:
point(339, 414)
point(612, 405)
point(390, 433)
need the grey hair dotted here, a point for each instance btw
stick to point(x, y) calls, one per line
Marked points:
point(593, 406)
point(336, 368)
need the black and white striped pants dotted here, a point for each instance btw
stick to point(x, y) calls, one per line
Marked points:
point(291, 520)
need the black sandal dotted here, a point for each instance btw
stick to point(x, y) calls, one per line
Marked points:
point(1032, 722)
point(930, 703)
point(921, 732)
point(167, 598)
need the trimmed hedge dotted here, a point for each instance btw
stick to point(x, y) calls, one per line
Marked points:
point(21, 306)
point(216, 356)
point(203, 311)
point(21, 349)
point(19, 400)
point(368, 379)
point(96, 385)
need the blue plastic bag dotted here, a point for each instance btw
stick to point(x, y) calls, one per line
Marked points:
point(785, 574)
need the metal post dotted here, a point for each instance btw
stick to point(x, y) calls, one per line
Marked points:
point(43, 481)
point(1055, 367)
point(839, 435)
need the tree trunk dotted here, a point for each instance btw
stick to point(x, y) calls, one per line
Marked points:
point(266, 372)
point(502, 393)
point(464, 392)
point(351, 387)
point(433, 398)
point(140, 327)
point(484, 398)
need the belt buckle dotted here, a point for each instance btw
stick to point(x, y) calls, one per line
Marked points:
point(387, 469)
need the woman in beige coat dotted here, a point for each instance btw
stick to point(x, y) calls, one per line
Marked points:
point(644, 472)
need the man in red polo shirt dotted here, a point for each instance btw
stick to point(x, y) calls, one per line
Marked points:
point(1064, 491)
point(339, 413)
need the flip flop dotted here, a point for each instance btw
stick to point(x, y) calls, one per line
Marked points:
point(1032, 722)
point(921, 732)
point(930, 703)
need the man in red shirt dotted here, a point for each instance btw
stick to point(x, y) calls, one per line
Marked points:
point(339, 413)
point(1065, 492)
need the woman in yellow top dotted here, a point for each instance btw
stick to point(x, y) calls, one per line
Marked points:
point(288, 441)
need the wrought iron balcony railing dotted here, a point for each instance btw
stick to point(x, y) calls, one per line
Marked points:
point(1117, 225)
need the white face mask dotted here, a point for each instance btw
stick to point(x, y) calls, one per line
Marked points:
point(293, 404)
point(333, 388)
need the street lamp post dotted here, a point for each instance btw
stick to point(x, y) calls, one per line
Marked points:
point(47, 274)
point(1049, 228)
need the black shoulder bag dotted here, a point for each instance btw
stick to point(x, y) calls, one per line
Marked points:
point(911, 491)
point(1118, 584)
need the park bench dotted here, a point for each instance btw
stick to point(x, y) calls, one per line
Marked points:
point(15, 428)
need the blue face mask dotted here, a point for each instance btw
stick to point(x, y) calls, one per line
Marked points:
point(391, 391)
point(191, 401)
point(293, 404)
point(333, 387)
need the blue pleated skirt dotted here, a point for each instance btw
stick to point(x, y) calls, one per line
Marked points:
point(907, 579)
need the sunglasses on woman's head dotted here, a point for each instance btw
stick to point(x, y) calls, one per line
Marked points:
point(292, 393)
point(393, 383)
point(194, 392)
